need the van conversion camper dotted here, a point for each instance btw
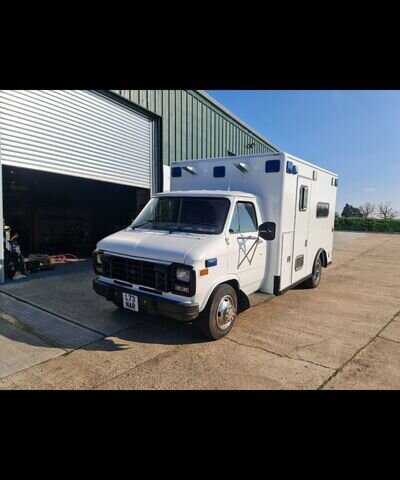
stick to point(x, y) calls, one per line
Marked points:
point(229, 226)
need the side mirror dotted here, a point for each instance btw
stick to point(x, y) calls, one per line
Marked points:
point(267, 230)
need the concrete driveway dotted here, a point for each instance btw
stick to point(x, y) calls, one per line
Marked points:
point(343, 335)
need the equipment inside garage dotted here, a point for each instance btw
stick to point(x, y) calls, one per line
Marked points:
point(55, 214)
point(76, 165)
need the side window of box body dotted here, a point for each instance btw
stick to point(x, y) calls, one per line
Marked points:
point(322, 209)
point(303, 198)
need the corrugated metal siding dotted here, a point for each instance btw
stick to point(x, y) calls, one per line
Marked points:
point(75, 132)
point(194, 127)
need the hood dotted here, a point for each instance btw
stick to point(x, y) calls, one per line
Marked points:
point(158, 245)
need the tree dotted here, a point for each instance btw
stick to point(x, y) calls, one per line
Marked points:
point(366, 209)
point(350, 211)
point(386, 211)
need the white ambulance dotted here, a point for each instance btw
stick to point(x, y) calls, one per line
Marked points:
point(229, 227)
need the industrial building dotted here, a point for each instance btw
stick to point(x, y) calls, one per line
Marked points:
point(76, 165)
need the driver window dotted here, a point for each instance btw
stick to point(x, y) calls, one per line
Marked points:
point(244, 218)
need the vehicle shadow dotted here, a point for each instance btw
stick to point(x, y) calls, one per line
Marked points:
point(301, 286)
point(155, 330)
point(145, 330)
point(243, 302)
point(162, 330)
point(82, 319)
point(119, 328)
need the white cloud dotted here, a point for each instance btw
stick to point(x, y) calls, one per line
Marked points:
point(369, 189)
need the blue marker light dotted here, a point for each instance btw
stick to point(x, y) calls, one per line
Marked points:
point(211, 262)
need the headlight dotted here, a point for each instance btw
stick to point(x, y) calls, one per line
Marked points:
point(98, 258)
point(183, 280)
point(183, 275)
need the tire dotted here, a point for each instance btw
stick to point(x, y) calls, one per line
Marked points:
point(315, 278)
point(219, 316)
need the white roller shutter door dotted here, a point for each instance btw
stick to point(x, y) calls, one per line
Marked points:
point(75, 132)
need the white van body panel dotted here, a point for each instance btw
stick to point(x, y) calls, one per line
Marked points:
point(277, 199)
point(245, 259)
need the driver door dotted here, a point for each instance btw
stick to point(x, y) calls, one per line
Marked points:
point(246, 250)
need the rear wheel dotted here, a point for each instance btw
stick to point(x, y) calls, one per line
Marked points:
point(315, 278)
point(217, 319)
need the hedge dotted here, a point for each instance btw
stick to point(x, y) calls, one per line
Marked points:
point(367, 224)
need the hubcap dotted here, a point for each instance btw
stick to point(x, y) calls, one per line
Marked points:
point(226, 312)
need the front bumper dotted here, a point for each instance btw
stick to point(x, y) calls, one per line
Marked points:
point(148, 303)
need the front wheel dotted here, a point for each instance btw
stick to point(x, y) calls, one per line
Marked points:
point(217, 319)
point(315, 278)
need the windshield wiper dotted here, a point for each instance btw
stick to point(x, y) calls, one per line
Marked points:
point(200, 225)
point(142, 224)
point(190, 226)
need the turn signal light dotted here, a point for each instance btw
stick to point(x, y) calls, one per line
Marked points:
point(204, 272)
point(181, 288)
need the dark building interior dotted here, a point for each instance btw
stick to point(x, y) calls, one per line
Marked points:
point(55, 213)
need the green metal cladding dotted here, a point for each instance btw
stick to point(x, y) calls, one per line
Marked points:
point(195, 127)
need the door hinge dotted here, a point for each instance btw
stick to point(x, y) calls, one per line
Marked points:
point(305, 243)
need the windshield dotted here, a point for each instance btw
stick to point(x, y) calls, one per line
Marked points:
point(184, 214)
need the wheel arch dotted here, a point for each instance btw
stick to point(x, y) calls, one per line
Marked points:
point(324, 258)
point(232, 281)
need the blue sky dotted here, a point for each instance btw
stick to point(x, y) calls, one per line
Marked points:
point(356, 134)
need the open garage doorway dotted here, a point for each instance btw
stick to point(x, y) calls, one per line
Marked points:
point(57, 214)
point(66, 156)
